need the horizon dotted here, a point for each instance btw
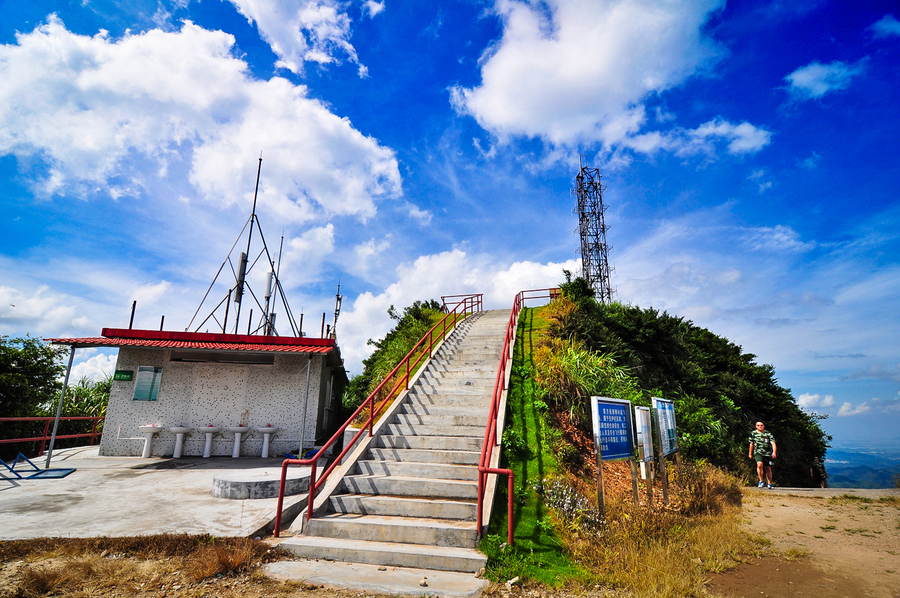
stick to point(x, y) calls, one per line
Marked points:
point(415, 149)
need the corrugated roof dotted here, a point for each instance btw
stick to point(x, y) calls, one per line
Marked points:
point(174, 344)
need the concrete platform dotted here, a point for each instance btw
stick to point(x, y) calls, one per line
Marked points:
point(372, 578)
point(128, 496)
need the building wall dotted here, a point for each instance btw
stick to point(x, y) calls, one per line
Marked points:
point(199, 394)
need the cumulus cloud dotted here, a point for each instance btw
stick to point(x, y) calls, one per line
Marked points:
point(738, 139)
point(580, 71)
point(37, 312)
point(95, 367)
point(430, 276)
point(847, 409)
point(303, 255)
point(887, 26)
point(815, 401)
point(373, 8)
point(814, 80)
point(87, 106)
point(304, 30)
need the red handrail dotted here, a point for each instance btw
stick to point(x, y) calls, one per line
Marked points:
point(468, 305)
point(490, 433)
point(93, 434)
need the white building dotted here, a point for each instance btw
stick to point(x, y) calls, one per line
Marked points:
point(198, 380)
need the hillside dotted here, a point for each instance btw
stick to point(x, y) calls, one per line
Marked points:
point(719, 391)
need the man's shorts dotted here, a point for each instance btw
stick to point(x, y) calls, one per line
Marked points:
point(765, 460)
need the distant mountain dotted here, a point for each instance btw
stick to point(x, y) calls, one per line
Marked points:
point(851, 469)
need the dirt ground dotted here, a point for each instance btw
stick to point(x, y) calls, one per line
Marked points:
point(830, 546)
point(834, 547)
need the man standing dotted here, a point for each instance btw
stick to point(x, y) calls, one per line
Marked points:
point(818, 473)
point(763, 449)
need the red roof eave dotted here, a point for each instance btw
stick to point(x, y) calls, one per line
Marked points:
point(176, 344)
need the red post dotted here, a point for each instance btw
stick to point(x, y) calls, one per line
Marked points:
point(312, 489)
point(284, 465)
point(44, 439)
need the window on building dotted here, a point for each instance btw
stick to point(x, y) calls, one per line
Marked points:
point(146, 384)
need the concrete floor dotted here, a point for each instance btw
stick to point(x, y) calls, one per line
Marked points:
point(127, 496)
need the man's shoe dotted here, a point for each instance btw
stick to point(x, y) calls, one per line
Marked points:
point(770, 486)
point(761, 484)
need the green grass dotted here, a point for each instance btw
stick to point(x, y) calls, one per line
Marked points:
point(537, 553)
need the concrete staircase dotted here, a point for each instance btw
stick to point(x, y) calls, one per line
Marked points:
point(410, 499)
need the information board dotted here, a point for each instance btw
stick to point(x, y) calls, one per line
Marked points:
point(644, 433)
point(613, 428)
point(665, 419)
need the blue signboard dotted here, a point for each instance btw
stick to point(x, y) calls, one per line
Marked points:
point(613, 428)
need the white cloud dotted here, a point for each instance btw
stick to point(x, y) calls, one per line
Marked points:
point(36, 312)
point(741, 138)
point(423, 216)
point(847, 409)
point(814, 401)
point(304, 30)
point(887, 26)
point(373, 8)
point(430, 276)
point(150, 293)
point(776, 239)
point(96, 367)
point(89, 106)
point(303, 255)
point(812, 162)
point(369, 249)
point(814, 80)
point(574, 71)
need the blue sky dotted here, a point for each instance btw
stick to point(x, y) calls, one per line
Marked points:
point(413, 149)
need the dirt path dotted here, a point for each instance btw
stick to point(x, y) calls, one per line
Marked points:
point(836, 543)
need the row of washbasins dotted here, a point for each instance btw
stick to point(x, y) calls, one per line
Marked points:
point(180, 431)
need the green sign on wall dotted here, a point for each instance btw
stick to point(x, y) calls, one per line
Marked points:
point(126, 375)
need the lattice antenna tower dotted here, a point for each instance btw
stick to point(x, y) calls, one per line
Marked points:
point(592, 228)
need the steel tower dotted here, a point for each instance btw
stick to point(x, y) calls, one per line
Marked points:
point(595, 266)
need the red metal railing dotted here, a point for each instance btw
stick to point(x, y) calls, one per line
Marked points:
point(469, 304)
point(491, 440)
point(45, 437)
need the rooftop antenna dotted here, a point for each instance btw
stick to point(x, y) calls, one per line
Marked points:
point(241, 289)
point(242, 268)
point(337, 310)
point(592, 228)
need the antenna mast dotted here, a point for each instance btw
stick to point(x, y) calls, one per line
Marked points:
point(592, 228)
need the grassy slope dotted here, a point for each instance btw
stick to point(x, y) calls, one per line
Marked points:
point(537, 553)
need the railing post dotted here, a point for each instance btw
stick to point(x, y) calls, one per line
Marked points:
point(44, 439)
point(406, 383)
point(94, 430)
point(371, 413)
point(312, 489)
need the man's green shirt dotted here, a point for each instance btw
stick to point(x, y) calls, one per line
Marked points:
point(762, 443)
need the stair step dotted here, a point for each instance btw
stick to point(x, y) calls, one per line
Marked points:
point(406, 486)
point(408, 469)
point(425, 456)
point(403, 530)
point(435, 443)
point(439, 558)
point(413, 419)
point(365, 504)
point(417, 408)
point(427, 430)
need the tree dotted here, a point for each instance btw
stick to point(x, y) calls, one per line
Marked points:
point(30, 372)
